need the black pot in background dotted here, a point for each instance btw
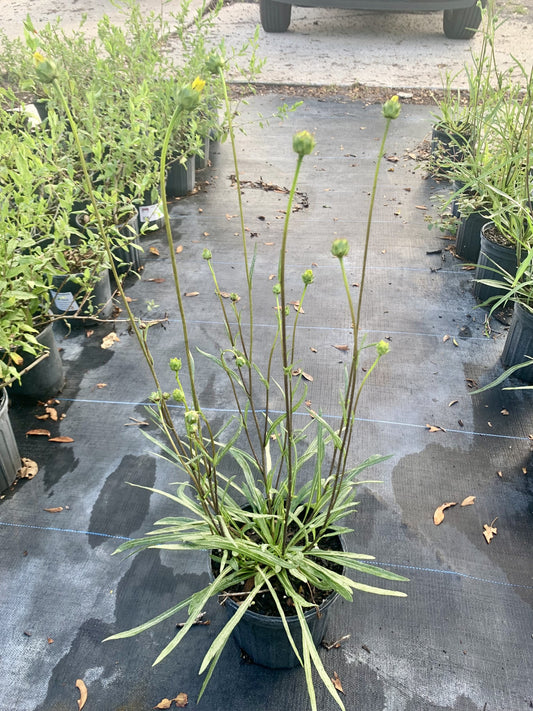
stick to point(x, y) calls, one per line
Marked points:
point(69, 295)
point(9, 453)
point(202, 162)
point(468, 239)
point(126, 258)
point(449, 144)
point(519, 342)
point(493, 257)
point(46, 378)
point(180, 178)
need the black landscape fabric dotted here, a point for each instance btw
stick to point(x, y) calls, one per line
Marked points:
point(463, 638)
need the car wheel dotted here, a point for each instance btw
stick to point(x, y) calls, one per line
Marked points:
point(462, 23)
point(275, 16)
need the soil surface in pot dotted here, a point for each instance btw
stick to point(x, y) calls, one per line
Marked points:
point(494, 235)
point(264, 603)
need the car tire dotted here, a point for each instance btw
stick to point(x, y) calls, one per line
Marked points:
point(275, 16)
point(462, 23)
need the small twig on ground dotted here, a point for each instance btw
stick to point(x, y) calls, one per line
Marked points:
point(336, 644)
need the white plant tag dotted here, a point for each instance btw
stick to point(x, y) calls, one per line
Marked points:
point(149, 213)
point(65, 301)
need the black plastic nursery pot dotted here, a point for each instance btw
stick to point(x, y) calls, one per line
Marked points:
point(180, 178)
point(264, 640)
point(71, 299)
point(448, 144)
point(129, 258)
point(468, 238)
point(519, 342)
point(202, 161)
point(47, 378)
point(492, 258)
point(9, 453)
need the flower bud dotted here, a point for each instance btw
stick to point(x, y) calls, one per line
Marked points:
point(45, 69)
point(178, 395)
point(153, 397)
point(165, 396)
point(391, 108)
point(188, 98)
point(206, 254)
point(382, 347)
point(340, 248)
point(276, 289)
point(175, 364)
point(240, 361)
point(214, 63)
point(308, 277)
point(234, 297)
point(303, 143)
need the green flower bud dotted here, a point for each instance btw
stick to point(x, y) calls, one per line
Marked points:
point(206, 254)
point(382, 347)
point(153, 397)
point(188, 98)
point(175, 364)
point(340, 248)
point(214, 63)
point(303, 143)
point(308, 277)
point(178, 395)
point(391, 108)
point(45, 69)
point(192, 418)
point(240, 362)
point(165, 396)
point(276, 289)
point(234, 297)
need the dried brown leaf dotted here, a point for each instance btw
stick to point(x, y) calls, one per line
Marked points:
point(101, 385)
point(80, 684)
point(504, 411)
point(164, 704)
point(192, 293)
point(453, 402)
point(271, 276)
point(306, 376)
point(156, 280)
point(313, 349)
point(524, 470)
point(342, 347)
point(61, 439)
point(438, 516)
point(28, 469)
point(88, 333)
point(154, 251)
point(500, 474)
point(468, 501)
point(42, 417)
point(421, 207)
point(268, 244)
point(489, 531)
point(179, 249)
point(52, 413)
point(50, 640)
point(55, 509)
point(435, 428)
point(445, 338)
point(107, 341)
point(181, 700)
point(39, 432)
point(337, 682)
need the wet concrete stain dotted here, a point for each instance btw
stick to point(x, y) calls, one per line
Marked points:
point(120, 509)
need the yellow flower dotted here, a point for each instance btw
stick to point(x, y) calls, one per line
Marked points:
point(198, 85)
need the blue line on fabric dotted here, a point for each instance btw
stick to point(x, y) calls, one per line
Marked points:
point(64, 530)
point(449, 572)
point(305, 414)
point(387, 565)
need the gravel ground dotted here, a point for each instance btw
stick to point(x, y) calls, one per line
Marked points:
point(324, 47)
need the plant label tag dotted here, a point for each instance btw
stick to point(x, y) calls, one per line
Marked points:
point(150, 213)
point(65, 301)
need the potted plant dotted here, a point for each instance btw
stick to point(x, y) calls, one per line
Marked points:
point(273, 533)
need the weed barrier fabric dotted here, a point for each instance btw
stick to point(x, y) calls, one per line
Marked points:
point(462, 639)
